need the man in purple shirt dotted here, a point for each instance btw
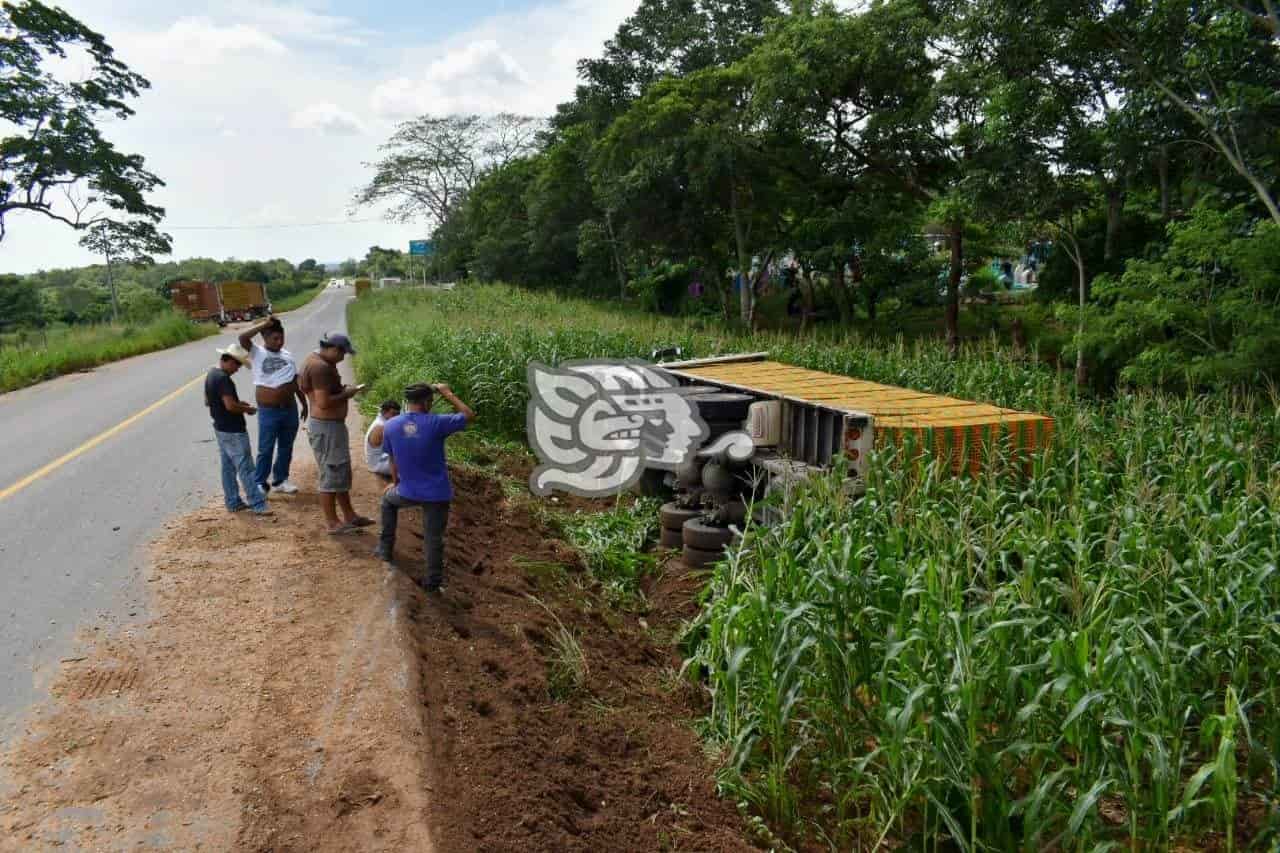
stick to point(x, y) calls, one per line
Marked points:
point(414, 441)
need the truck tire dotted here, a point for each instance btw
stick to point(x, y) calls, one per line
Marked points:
point(705, 537)
point(652, 483)
point(674, 516)
point(719, 428)
point(697, 558)
point(669, 538)
point(723, 406)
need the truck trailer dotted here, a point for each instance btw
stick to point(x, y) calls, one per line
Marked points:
point(244, 300)
point(199, 300)
point(801, 422)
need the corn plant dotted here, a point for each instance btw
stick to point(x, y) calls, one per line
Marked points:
point(1080, 657)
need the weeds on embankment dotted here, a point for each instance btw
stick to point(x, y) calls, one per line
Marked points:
point(80, 347)
point(1082, 657)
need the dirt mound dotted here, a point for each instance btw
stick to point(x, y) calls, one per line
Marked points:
point(611, 765)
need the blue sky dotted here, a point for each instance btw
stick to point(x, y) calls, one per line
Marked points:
point(261, 113)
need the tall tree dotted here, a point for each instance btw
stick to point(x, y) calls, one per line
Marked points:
point(133, 241)
point(430, 163)
point(1217, 62)
point(54, 160)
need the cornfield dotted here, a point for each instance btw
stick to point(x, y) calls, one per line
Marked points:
point(1084, 657)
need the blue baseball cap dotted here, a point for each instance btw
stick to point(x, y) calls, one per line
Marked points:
point(339, 340)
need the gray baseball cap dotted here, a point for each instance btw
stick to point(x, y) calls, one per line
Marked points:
point(339, 340)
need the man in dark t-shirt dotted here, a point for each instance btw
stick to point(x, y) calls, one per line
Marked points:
point(234, 451)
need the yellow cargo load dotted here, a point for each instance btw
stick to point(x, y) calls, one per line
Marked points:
point(961, 430)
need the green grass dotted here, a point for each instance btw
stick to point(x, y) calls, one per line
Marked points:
point(296, 300)
point(1086, 656)
point(80, 347)
point(613, 544)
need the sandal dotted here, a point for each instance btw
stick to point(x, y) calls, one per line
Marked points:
point(342, 529)
point(361, 521)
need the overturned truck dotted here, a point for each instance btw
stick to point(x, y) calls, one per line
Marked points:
point(801, 422)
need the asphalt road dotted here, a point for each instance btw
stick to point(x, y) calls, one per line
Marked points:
point(73, 540)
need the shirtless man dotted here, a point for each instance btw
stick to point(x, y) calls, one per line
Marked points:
point(275, 384)
point(323, 386)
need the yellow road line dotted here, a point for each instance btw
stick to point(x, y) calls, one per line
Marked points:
point(92, 443)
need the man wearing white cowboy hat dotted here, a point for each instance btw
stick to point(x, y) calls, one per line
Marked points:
point(229, 429)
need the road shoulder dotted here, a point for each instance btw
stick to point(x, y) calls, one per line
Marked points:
point(292, 693)
point(267, 704)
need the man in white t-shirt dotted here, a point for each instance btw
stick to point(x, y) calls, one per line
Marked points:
point(275, 383)
point(375, 455)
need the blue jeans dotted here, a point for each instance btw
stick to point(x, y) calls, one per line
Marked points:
point(237, 460)
point(435, 518)
point(277, 428)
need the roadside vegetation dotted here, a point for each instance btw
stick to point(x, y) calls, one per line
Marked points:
point(30, 357)
point(59, 321)
point(1082, 656)
point(294, 301)
point(799, 163)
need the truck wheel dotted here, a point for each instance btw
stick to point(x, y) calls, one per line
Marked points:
point(669, 538)
point(719, 428)
point(697, 558)
point(698, 534)
point(652, 483)
point(674, 516)
point(723, 406)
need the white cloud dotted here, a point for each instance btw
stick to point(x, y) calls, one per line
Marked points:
point(473, 77)
point(522, 62)
point(200, 41)
point(262, 115)
point(294, 22)
point(329, 119)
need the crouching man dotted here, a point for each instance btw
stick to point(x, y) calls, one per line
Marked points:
point(375, 457)
point(414, 442)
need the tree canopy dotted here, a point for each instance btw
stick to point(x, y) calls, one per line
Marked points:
point(857, 165)
point(54, 159)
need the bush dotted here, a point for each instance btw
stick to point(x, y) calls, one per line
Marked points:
point(1190, 316)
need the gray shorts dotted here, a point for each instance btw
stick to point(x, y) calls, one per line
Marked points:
point(330, 444)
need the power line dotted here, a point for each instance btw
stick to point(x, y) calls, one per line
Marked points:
point(266, 227)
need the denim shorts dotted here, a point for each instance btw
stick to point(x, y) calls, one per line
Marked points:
point(331, 446)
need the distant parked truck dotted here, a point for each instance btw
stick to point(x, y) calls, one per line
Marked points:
point(362, 286)
point(199, 300)
point(244, 300)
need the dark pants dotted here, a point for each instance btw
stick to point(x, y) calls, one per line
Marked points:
point(435, 517)
point(277, 428)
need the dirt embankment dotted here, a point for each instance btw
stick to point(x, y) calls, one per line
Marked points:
point(290, 693)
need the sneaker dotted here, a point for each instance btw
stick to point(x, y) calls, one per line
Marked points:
point(238, 508)
point(263, 513)
point(385, 558)
point(286, 488)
